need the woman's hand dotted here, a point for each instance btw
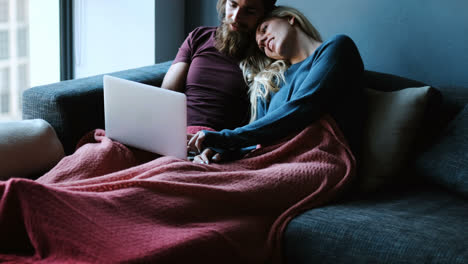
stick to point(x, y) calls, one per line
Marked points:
point(206, 156)
point(195, 142)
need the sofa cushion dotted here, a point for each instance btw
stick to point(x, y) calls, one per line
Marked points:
point(417, 226)
point(391, 126)
point(27, 147)
point(446, 162)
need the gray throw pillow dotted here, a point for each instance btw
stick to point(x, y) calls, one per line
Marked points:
point(446, 162)
point(392, 123)
point(28, 148)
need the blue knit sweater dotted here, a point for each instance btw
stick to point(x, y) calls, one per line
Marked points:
point(322, 83)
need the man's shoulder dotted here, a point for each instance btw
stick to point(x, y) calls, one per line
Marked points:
point(202, 31)
point(201, 36)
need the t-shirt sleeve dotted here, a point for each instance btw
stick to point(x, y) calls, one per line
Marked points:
point(336, 65)
point(185, 50)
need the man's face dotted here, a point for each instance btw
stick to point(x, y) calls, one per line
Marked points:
point(243, 15)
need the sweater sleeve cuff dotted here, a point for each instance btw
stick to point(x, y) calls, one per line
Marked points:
point(212, 138)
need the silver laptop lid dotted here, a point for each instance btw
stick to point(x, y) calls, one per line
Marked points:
point(145, 117)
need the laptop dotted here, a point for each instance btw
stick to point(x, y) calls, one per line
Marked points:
point(145, 117)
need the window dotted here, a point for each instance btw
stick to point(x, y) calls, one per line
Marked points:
point(44, 41)
point(4, 8)
point(113, 37)
point(23, 77)
point(4, 90)
point(4, 45)
point(22, 42)
point(23, 81)
point(28, 22)
point(21, 11)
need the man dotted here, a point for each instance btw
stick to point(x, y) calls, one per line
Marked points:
point(206, 67)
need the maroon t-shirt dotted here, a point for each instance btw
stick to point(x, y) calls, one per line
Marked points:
point(215, 89)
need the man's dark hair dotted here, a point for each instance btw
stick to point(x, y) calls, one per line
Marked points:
point(221, 7)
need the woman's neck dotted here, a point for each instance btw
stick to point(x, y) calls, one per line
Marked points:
point(306, 45)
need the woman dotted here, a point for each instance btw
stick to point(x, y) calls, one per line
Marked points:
point(294, 79)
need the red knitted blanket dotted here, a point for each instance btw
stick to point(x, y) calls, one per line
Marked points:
point(101, 205)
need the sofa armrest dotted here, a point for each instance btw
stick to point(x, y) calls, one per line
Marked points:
point(76, 107)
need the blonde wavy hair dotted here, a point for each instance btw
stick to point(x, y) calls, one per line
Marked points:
point(265, 75)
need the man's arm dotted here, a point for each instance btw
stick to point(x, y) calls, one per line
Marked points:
point(176, 76)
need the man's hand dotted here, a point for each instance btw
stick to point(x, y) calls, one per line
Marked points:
point(196, 142)
point(189, 136)
point(206, 156)
point(195, 145)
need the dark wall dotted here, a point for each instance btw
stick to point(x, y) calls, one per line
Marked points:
point(169, 38)
point(426, 40)
point(200, 13)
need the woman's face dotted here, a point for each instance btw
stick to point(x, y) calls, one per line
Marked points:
point(274, 37)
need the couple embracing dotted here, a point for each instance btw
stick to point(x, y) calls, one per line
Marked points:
point(293, 79)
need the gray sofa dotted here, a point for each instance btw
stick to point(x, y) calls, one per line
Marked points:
point(419, 216)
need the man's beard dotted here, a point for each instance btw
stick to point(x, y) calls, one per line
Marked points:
point(235, 44)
